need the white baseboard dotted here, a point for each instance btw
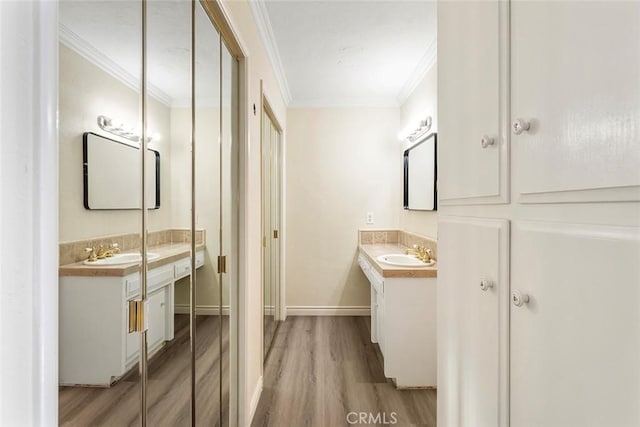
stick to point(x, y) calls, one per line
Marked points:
point(255, 399)
point(206, 310)
point(328, 310)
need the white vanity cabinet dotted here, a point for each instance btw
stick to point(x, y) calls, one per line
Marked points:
point(403, 323)
point(95, 346)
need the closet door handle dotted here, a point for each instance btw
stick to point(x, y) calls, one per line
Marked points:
point(485, 285)
point(519, 125)
point(519, 299)
point(487, 141)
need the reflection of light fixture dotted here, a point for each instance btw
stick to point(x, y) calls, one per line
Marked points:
point(420, 131)
point(117, 127)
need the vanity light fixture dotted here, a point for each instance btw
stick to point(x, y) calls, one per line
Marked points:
point(118, 128)
point(420, 131)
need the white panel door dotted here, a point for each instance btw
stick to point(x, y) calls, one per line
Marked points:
point(575, 346)
point(575, 70)
point(469, 64)
point(472, 322)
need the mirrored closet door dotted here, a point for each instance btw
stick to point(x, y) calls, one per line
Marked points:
point(148, 117)
point(271, 188)
point(100, 217)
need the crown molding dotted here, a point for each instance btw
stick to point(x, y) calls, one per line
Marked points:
point(367, 102)
point(427, 61)
point(261, 18)
point(93, 55)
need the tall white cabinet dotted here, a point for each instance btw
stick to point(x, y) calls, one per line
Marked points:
point(539, 222)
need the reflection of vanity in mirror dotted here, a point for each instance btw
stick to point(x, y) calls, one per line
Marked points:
point(95, 298)
point(420, 175)
point(108, 357)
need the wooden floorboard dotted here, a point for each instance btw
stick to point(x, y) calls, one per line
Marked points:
point(169, 385)
point(322, 368)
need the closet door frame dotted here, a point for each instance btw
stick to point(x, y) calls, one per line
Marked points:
point(267, 111)
point(238, 295)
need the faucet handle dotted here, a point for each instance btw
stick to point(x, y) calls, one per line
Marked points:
point(92, 253)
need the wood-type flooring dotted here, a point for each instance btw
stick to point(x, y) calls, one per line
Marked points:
point(325, 372)
point(169, 385)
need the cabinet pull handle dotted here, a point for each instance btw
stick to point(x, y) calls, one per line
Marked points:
point(520, 125)
point(486, 141)
point(485, 285)
point(519, 299)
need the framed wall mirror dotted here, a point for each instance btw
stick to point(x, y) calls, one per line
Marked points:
point(420, 175)
point(110, 167)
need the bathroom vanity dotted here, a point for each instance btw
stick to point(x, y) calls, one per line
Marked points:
point(96, 348)
point(403, 315)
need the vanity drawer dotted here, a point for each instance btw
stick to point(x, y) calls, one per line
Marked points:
point(132, 284)
point(159, 277)
point(199, 259)
point(374, 278)
point(182, 268)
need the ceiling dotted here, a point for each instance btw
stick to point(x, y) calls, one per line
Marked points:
point(347, 53)
point(325, 53)
point(109, 34)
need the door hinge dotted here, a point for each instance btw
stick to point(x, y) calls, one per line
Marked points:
point(275, 234)
point(136, 316)
point(264, 242)
point(222, 264)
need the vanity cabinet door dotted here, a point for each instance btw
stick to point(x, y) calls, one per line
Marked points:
point(156, 316)
point(469, 78)
point(575, 345)
point(575, 70)
point(472, 322)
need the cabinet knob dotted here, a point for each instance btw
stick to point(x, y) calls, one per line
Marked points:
point(518, 299)
point(486, 141)
point(520, 126)
point(485, 284)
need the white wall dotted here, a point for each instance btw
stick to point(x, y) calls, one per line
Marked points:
point(28, 214)
point(259, 68)
point(86, 92)
point(341, 164)
point(421, 103)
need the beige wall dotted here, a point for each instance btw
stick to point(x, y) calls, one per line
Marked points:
point(341, 164)
point(85, 92)
point(207, 198)
point(259, 69)
point(421, 103)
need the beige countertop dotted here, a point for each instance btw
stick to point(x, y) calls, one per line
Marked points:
point(168, 254)
point(372, 251)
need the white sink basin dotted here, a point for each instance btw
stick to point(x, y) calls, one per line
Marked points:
point(122, 259)
point(400, 260)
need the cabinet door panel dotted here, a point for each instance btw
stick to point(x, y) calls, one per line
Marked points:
point(575, 345)
point(575, 70)
point(469, 57)
point(156, 316)
point(472, 334)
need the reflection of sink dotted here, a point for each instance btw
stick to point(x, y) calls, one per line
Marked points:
point(401, 260)
point(122, 259)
